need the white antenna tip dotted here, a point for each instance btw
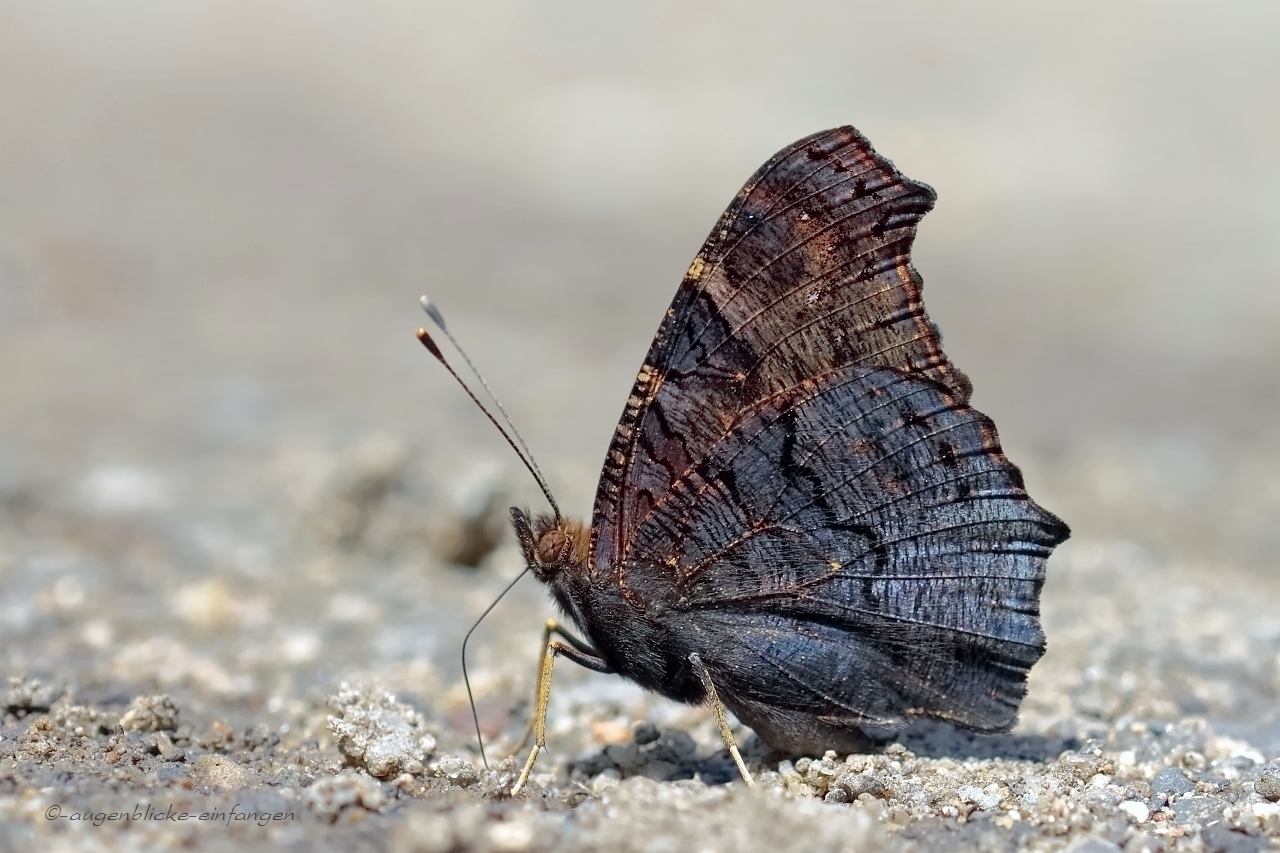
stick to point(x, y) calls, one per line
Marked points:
point(432, 312)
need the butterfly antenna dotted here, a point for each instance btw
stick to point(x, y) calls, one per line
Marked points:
point(436, 317)
point(522, 451)
point(465, 679)
point(526, 459)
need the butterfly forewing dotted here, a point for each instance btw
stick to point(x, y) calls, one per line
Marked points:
point(808, 270)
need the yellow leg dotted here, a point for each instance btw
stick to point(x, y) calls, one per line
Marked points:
point(539, 722)
point(551, 627)
point(725, 734)
point(575, 650)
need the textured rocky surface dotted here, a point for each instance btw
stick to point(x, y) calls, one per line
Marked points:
point(1151, 723)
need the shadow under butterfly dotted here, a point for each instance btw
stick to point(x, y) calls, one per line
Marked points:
point(800, 518)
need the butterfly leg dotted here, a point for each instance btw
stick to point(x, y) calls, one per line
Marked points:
point(725, 734)
point(551, 627)
point(551, 648)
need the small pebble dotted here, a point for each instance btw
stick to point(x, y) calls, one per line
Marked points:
point(150, 714)
point(330, 795)
point(458, 770)
point(379, 733)
point(1171, 780)
point(1136, 810)
point(984, 800)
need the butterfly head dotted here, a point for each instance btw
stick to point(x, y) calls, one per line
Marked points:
point(551, 544)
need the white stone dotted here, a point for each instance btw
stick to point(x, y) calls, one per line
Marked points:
point(982, 799)
point(1136, 810)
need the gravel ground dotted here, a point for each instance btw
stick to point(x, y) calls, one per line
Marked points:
point(318, 703)
point(245, 521)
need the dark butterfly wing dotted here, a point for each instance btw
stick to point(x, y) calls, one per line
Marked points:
point(865, 550)
point(798, 473)
point(807, 271)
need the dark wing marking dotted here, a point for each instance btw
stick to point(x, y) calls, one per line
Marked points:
point(807, 271)
point(876, 512)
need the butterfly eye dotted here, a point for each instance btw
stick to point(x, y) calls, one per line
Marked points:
point(551, 547)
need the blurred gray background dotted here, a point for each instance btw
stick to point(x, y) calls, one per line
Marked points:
point(216, 219)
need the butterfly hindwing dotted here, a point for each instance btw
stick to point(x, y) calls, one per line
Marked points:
point(874, 511)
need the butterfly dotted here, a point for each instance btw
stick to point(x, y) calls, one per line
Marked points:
point(800, 517)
